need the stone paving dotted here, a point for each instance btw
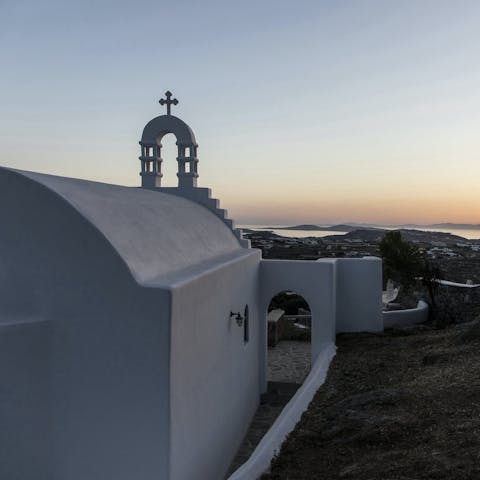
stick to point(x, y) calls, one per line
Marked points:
point(289, 361)
point(288, 365)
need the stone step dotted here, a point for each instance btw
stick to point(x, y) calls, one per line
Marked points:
point(228, 222)
point(203, 196)
point(212, 203)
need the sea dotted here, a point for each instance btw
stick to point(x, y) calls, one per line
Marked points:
point(465, 233)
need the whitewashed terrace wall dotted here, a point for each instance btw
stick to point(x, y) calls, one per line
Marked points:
point(410, 316)
point(358, 294)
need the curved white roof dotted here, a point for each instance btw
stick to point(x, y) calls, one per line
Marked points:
point(156, 234)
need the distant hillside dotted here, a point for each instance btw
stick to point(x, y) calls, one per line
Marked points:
point(376, 235)
point(366, 235)
point(422, 236)
point(444, 226)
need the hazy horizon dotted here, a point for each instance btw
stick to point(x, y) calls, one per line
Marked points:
point(364, 111)
point(351, 223)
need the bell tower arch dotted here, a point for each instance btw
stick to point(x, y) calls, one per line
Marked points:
point(151, 149)
point(187, 163)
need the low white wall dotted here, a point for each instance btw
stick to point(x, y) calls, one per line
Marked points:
point(409, 316)
point(270, 444)
point(214, 373)
point(358, 294)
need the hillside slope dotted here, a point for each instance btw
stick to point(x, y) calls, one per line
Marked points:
point(403, 405)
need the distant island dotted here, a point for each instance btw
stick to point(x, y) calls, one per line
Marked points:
point(318, 228)
point(443, 226)
point(352, 227)
point(455, 226)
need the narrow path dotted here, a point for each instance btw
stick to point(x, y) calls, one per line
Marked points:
point(288, 365)
point(289, 361)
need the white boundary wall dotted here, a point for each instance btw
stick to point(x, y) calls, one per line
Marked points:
point(358, 294)
point(344, 295)
point(410, 316)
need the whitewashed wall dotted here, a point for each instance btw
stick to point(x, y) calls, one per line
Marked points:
point(358, 294)
point(24, 401)
point(214, 373)
point(410, 316)
point(90, 373)
point(314, 281)
point(344, 295)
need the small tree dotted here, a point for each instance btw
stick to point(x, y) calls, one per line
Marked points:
point(402, 261)
point(430, 275)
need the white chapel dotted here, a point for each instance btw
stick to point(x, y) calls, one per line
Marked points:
point(133, 321)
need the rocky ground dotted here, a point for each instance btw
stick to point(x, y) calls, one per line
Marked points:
point(402, 405)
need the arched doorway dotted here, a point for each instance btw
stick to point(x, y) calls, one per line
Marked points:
point(289, 324)
point(315, 282)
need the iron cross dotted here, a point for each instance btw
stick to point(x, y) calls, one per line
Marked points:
point(169, 101)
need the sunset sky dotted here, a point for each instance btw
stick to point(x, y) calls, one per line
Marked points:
point(304, 111)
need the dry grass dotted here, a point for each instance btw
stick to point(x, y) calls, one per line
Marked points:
point(400, 406)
